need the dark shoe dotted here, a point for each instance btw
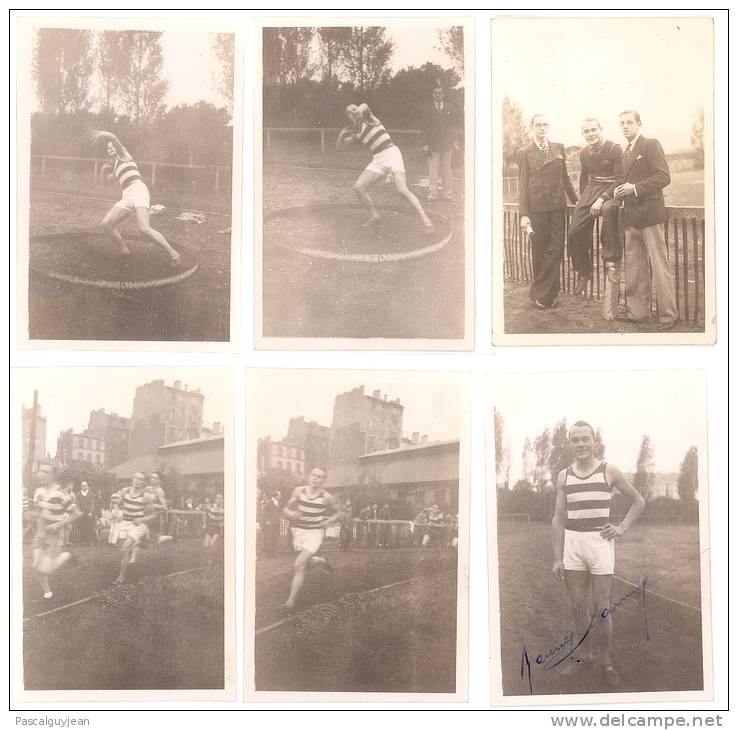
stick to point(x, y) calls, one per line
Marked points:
point(554, 303)
point(539, 305)
point(667, 326)
point(582, 285)
point(624, 317)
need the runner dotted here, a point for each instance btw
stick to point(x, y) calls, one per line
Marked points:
point(386, 162)
point(54, 511)
point(311, 509)
point(135, 197)
point(214, 519)
point(158, 504)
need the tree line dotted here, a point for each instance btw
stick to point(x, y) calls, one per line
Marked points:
point(114, 80)
point(546, 454)
point(312, 74)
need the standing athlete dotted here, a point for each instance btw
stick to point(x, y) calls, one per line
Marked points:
point(386, 160)
point(583, 541)
point(135, 197)
point(311, 509)
point(54, 511)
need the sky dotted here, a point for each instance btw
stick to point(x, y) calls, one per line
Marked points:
point(431, 401)
point(625, 406)
point(68, 394)
point(570, 69)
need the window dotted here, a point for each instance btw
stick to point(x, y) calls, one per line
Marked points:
point(98, 459)
point(289, 466)
point(301, 468)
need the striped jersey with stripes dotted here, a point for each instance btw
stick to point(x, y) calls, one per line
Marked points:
point(133, 504)
point(215, 516)
point(588, 500)
point(312, 510)
point(52, 503)
point(126, 172)
point(375, 138)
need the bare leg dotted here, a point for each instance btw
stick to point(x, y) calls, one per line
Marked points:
point(603, 632)
point(298, 577)
point(142, 221)
point(360, 187)
point(402, 188)
point(110, 223)
point(578, 585)
point(125, 557)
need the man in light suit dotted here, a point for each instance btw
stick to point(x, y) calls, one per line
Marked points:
point(646, 173)
point(439, 143)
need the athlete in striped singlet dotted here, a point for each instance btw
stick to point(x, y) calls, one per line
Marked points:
point(311, 509)
point(54, 510)
point(386, 160)
point(135, 197)
point(138, 511)
point(214, 519)
point(583, 544)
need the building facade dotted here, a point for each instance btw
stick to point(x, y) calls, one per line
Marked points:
point(85, 447)
point(116, 432)
point(36, 451)
point(164, 414)
point(285, 456)
point(313, 438)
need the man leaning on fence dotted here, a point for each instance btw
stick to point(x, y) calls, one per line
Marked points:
point(544, 185)
point(601, 172)
point(646, 174)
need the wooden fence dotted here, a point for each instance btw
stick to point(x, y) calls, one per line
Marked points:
point(684, 233)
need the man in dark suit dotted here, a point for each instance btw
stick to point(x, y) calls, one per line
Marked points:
point(543, 187)
point(439, 142)
point(271, 512)
point(86, 506)
point(644, 215)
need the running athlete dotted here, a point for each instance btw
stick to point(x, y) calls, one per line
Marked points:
point(311, 509)
point(139, 512)
point(135, 197)
point(214, 518)
point(386, 160)
point(157, 502)
point(54, 510)
point(583, 543)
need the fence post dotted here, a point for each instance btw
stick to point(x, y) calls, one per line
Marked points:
point(322, 141)
point(217, 177)
point(153, 174)
point(268, 139)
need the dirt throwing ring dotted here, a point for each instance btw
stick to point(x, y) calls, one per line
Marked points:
point(91, 260)
point(306, 230)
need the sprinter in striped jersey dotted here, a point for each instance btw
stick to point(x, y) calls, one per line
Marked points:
point(583, 545)
point(386, 160)
point(135, 197)
point(54, 510)
point(311, 509)
point(214, 519)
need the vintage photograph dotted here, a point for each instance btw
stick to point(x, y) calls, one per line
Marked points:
point(364, 184)
point(603, 177)
point(123, 534)
point(126, 163)
point(597, 520)
point(356, 557)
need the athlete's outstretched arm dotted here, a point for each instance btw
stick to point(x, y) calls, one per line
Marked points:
point(557, 526)
point(345, 137)
point(289, 510)
point(615, 477)
point(333, 514)
point(100, 135)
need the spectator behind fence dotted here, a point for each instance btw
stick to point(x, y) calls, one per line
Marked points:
point(421, 523)
point(385, 531)
point(269, 523)
point(86, 521)
point(346, 534)
point(362, 529)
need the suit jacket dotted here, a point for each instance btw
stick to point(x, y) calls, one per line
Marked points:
point(646, 167)
point(543, 181)
point(86, 503)
point(439, 128)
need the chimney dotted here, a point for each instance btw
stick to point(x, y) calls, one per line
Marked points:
point(185, 387)
point(376, 394)
point(424, 440)
point(385, 397)
point(177, 385)
point(416, 437)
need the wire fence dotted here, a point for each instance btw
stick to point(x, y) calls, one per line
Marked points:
point(684, 233)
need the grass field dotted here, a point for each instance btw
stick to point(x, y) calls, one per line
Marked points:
point(197, 309)
point(158, 631)
point(535, 611)
point(346, 637)
point(308, 297)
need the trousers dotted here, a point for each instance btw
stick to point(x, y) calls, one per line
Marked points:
point(439, 165)
point(548, 251)
point(580, 236)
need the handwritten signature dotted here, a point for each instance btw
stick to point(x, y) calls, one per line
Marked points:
point(564, 650)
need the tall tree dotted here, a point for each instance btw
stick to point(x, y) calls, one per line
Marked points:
point(223, 73)
point(63, 64)
point(452, 44)
point(140, 85)
point(688, 476)
point(643, 479)
point(542, 449)
point(287, 55)
point(560, 449)
point(331, 41)
point(698, 132)
point(365, 56)
point(529, 461)
point(110, 65)
point(514, 131)
point(599, 445)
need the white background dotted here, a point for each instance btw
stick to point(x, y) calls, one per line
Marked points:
point(483, 360)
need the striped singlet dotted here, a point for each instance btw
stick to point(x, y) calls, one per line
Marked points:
point(588, 500)
point(133, 505)
point(52, 504)
point(126, 172)
point(215, 517)
point(375, 139)
point(312, 511)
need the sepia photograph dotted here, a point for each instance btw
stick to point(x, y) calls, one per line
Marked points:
point(122, 533)
point(597, 521)
point(127, 181)
point(364, 152)
point(356, 535)
point(603, 181)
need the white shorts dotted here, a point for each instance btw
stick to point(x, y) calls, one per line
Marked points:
point(309, 540)
point(137, 533)
point(135, 195)
point(386, 161)
point(589, 552)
